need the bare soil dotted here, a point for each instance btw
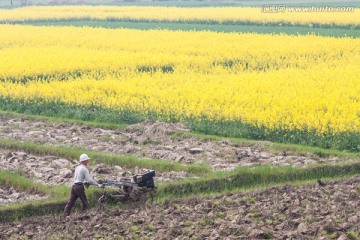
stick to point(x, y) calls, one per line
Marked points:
point(11, 195)
point(329, 211)
point(52, 170)
point(287, 212)
point(150, 140)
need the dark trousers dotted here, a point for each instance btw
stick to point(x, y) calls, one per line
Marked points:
point(77, 191)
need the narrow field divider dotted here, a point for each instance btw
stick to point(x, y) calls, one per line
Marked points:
point(247, 178)
point(106, 158)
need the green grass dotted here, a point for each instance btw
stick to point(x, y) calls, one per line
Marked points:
point(241, 27)
point(11, 179)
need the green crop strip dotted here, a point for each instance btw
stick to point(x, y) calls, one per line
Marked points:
point(193, 26)
point(188, 22)
point(57, 120)
point(340, 141)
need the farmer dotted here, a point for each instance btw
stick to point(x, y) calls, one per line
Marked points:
point(78, 190)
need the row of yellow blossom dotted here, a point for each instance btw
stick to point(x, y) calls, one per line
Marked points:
point(28, 51)
point(285, 99)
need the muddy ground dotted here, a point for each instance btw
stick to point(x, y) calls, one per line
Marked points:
point(331, 211)
point(149, 140)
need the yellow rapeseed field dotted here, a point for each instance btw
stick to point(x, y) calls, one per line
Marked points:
point(276, 81)
point(219, 14)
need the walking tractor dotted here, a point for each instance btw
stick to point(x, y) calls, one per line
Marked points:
point(139, 187)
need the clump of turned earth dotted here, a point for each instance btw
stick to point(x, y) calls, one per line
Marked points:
point(11, 195)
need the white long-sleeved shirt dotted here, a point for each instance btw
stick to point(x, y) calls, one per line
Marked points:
point(82, 174)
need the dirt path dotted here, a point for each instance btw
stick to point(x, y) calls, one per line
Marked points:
point(149, 140)
point(288, 212)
